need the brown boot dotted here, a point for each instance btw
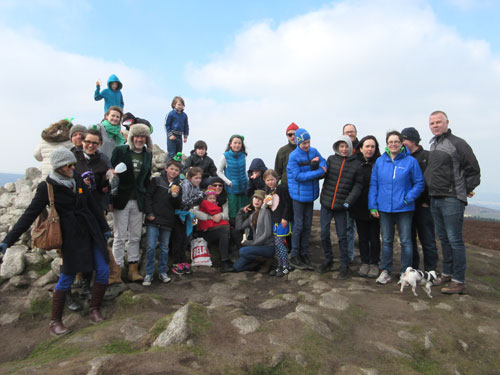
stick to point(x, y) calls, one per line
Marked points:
point(98, 291)
point(454, 288)
point(133, 272)
point(444, 279)
point(115, 271)
point(56, 326)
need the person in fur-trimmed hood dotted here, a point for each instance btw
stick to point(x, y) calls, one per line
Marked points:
point(128, 204)
point(54, 136)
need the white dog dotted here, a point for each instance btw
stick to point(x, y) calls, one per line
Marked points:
point(411, 277)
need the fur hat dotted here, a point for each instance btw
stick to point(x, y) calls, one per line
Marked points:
point(259, 194)
point(140, 130)
point(292, 126)
point(57, 132)
point(301, 135)
point(77, 128)
point(60, 157)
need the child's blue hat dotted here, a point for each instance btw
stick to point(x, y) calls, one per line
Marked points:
point(301, 135)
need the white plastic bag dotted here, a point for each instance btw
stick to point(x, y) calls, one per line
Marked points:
point(199, 253)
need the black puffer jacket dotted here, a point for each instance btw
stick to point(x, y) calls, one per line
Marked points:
point(160, 203)
point(343, 180)
point(359, 210)
point(206, 163)
point(422, 157)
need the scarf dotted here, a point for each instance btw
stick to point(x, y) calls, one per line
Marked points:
point(60, 179)
point(113, 132)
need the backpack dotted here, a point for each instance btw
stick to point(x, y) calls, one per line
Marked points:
point(46, 233)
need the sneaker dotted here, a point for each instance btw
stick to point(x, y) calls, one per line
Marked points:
point(454, 288)
point(384, 278)
point(163, 277)
point(147, 280)
point(187, 268)
point(445, 279)
point(297, 263)
point(283, 271)
point(275, 271)
point(307, 262)
point(363, 270)
point(345, 273)
point(326, 266)
point(178, 269)
point(373, 271)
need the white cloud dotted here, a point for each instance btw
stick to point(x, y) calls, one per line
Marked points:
point(381, 65)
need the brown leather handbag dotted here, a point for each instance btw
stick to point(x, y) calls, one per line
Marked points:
point(46, 233)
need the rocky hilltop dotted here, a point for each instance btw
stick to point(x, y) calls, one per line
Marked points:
point(246, 323)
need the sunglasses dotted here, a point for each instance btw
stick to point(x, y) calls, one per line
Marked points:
point(217, 185)
point(91, 143)
point(290, 134)
point(69, 165)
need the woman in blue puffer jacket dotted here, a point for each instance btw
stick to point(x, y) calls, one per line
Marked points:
point(395, 184)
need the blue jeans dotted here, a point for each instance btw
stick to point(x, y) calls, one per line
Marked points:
point(387, 222)
point(174, 146)
point(340, 217)
point(248, 255)
point(448, 214)
point(152, 234)
point(351, 235)
point(101, 272)
point(424, 226)
point(302, 223)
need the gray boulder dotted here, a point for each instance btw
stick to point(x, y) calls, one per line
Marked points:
point(177, 331)
point(48, 278)
point(13, 262)
point(246, 324)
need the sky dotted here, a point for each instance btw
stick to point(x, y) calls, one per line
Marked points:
point(254, 67)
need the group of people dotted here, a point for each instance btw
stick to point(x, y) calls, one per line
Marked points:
point(257, 211)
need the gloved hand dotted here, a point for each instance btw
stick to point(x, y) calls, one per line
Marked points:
point(107, 235)
point(314, 165)
point(3, 247)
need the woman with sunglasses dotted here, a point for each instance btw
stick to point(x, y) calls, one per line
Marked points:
point(219, 235)
point(84, 234)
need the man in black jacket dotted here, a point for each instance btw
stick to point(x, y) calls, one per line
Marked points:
point(281, 160)
point(451, 175)
point(422, 217)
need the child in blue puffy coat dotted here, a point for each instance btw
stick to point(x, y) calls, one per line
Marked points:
point(112, 95)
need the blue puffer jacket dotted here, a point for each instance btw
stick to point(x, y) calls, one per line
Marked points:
point(303, 184)
point(235, 171)
point(111, 97)
point(395, 184)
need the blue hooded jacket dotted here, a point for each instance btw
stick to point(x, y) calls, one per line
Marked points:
point(111, 97)
point(303, 178)
point(395, 184)
point(258, 183)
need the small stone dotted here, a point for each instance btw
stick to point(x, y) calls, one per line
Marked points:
point(333, 301)
point(195, 365)
point(52, 253)
point(19, 282)
point(10, 187)
point(274, 339)
point(468, 315)
point(427, 340)
point(420, 305)
point(405, 335)
point(487, 330)
point(464, 298)
point(369, 371)
point(272, 303)
point(354, 370)
point(221, 289)
point(246, 324)
point(359, 287)
point(96, 364)
point(389, 349)
point(33, 258)
point(277, 358)
point(307, 297)
point(257, 277)
point(301, 307)
point(444, 306)
point(132, 331)
point(297, 275)
point(314, 277)
point(314, 322)
point(289, 297)
point(302, 282)
point(49, 277)
point(486, 254)
point(321, 285)
point(55, 266)
point(9, 318)
point(300, 359)
point(464, 345)
point(220, 301)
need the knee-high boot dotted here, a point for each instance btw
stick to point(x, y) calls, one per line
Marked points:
point(98, 291)
point(56, 326)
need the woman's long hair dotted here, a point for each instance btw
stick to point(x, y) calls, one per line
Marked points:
point(377, 147)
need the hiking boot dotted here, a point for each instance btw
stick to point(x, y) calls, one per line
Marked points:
point(282, 271)
point(454, 288)
point(147, 280)
point(445, 279)
point(133, 272)
point(363, 270)
point(373, 271)
point(178, 269)
point(345, 273)
point(227, 266)
point(72, 304)
point(187, 268)
point(307, 262)
point(384, 278)
point(297, 263)
point(164, 277)
point(326, 267)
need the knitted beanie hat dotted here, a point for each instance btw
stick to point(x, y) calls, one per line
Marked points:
point(301, 135)
point(77, 128)
point(60, 157)
point(210, 190)
point(411, 134)
point(292, 126)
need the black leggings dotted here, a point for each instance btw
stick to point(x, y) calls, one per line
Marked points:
point(221, 236)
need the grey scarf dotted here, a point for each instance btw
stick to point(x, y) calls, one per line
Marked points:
point(60, 179)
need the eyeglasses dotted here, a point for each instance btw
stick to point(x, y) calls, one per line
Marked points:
point(217, 185)
point(290, 134)
point(350, 132)
point(394, 143)
point(69, 165)
point(91, 143)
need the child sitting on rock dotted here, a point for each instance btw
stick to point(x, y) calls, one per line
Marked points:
point(210, 207)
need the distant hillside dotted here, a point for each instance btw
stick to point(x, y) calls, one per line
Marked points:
point(9, 177)
point(482, 212)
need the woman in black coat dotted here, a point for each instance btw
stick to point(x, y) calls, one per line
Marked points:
point(84, 233)
point(368, 226)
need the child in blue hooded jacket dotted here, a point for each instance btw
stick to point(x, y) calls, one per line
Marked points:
point(112, 95)
point(177, 127)
point(305, 167)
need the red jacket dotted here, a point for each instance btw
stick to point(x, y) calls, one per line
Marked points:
point(210, 209)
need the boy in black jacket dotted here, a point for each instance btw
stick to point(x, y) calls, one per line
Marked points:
point(199, 158)
point(342, 186)
point(161, 200)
